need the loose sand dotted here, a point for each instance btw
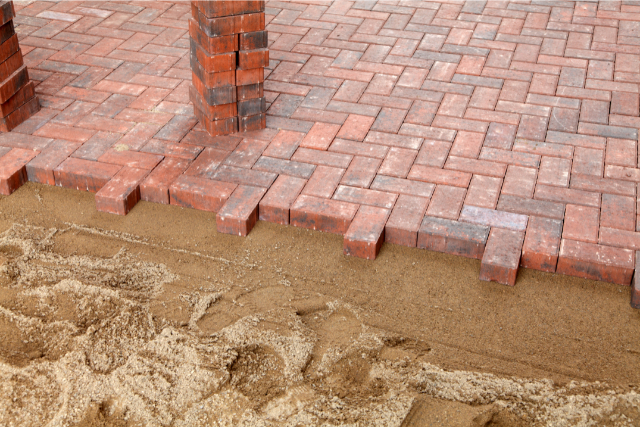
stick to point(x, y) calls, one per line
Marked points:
point(154, 319)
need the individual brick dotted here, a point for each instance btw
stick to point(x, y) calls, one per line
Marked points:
point(501, 257)
point(213, 80)
point(635, 285)
point(7, 31)
point(206, 164)
point(12, 84)
point(452, 237)
point(581, 223)
point(249, 23)
point(331, 216)
point(252, 107)
point(588, 161)
point(215, 96)
point(122, 192)
point(625, 103)
point(567, 195)
point(199, 193)
point(554, 171)
point(240, 212)
point(361, 172)
point(526, 206)
point(212, 9)
point(10, 65)
point(541, 244)
point(40, 169)
point(621, 152)
point(391, 184)
point(7, 12)
point(217, 127)
point(405, 220)
point(250, 91)
point(437, 175)
point(365, 196)
point(596, 262)
point(212, 112)
point(619, 238)
point(493, 218)
point(249, 76)
point(134, 159)
point(365, 235)
point(500, 136)
point(398, 162)
point(253, 40)
point(275, 205)
point(320, 136)
point(564, 119)
point(323, 182)
point(213, 45)
point(248, 59)
point(594, 111)
point(483, 191)
point(446, 202)
point(23, 96)
point(9, 47)
point(519, 181)
point(533, 127)
point(618, 212)
point(251, 123)
point(467, 144)
point(214, 27)
point(155, 187)
point(170, 149)
point(602, 185)
point(12, 169)
point(244, 176)
point(213, 63)
point(85, 175)
point(19, 115)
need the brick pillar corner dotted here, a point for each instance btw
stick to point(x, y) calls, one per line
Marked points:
point(228, 55)
point(18, 99)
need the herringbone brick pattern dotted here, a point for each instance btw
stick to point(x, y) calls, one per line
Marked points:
point(505, 131)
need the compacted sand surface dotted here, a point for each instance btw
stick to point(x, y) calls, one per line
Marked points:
point(154, 319)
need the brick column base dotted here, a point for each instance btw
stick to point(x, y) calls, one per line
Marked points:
point(228, 55)
point(18, 99)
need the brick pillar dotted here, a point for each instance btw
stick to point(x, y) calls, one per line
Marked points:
point(18, 99)
point(228, 56)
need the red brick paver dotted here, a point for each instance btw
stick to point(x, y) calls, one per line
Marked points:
point(510, 126)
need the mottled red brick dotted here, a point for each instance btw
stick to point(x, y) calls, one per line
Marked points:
point(331, 216)
point(12, 169)
point(199, 193)
point(85, 175)
point(541, 244)
point(405, 220)
point(452, 237)
point(122, 192)
point(155, 187)
point(501, 257)
point(240, 212)
point(275, 205)
point(365, 235)
point(596, 262)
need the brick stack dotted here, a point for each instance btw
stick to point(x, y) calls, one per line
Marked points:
point(228, 56)
point(17, 94)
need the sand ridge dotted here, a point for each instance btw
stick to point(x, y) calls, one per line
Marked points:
point(84, 348)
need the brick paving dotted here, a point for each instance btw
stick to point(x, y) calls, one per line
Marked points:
point(497, 130)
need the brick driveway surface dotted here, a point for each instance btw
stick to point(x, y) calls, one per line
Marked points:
point(485, 129)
